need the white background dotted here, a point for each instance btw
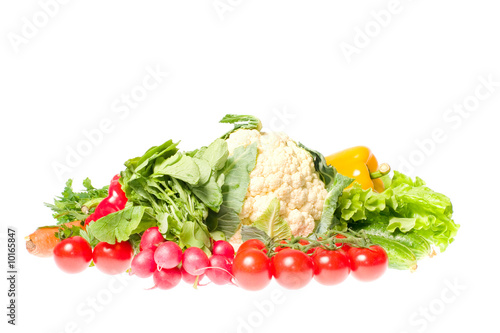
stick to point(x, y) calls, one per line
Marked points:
point(274, 58)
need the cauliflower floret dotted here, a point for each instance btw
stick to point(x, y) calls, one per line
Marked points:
point(284, 171)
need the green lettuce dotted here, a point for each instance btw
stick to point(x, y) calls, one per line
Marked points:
point(405, 206)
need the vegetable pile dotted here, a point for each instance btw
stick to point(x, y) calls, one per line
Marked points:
point(289, 212)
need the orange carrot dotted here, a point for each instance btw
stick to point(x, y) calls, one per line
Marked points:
point(41, 243)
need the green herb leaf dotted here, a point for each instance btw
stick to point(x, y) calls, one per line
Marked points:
point(216, 154)
point(271, 222)
point(179, 166)
point(210, 194)
point(145, 163)
point(188, 236)
point(68, 207)
point(217, 235)
point(194, 234)
point(204, 169)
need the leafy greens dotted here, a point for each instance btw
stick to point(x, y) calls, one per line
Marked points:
point(169, 189)
point(405, 205)
point(71, 205)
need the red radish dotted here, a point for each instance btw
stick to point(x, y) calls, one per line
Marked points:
point(151, 239)
point(190, 279)
point(194, 261)
point(223, 248)
point(168, 255)
point(167, 278)
point(143, 264)
point(220, 270)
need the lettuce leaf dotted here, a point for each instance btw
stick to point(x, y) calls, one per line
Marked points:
point(406, 205)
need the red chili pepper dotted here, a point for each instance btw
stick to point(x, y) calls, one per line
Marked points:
point(115, 201)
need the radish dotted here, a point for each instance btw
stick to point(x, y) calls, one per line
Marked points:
point(143, 264)
point(220, 269)
point(167, 278)
point(151, 239)
point(194, 261)
point(191, 279)
point(223, 248)
point(168, 255)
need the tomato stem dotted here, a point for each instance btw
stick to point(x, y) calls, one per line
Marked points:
point(327, 241)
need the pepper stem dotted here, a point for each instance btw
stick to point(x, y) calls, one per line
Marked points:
point(383, 170)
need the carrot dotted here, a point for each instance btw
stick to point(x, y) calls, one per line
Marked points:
point(41, 243)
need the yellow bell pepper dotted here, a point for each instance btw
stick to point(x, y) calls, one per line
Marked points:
point(359, 163)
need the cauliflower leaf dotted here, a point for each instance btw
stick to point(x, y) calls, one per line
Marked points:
point(240, 121)
point(236, 176)
point(272, 223)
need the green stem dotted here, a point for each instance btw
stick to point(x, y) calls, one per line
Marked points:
point(383, 170)
point(328, 241)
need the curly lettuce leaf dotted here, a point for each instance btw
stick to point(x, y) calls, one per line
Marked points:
point(406, 205)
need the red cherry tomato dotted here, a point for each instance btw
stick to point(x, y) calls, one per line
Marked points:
point(73, 255)
point(252, 269)
point(113, 258)
point(331, 267)
point(368, 264)
point(343, 246)
point(253, 244)
point(280, 248)
point(292, 269)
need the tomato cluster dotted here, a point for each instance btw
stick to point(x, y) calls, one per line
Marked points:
point(73, 255)
point(293, 269)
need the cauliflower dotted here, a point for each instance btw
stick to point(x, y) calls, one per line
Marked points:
point(284, 171)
